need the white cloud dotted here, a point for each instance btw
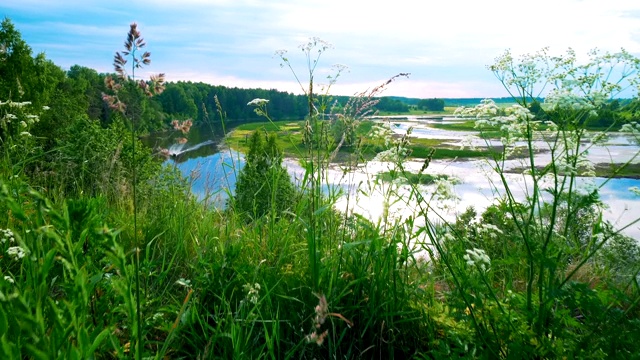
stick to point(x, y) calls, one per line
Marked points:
point(445, 45)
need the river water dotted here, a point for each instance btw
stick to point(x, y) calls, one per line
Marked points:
point(213, 171)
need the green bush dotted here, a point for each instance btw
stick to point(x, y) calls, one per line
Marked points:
point(263, 184)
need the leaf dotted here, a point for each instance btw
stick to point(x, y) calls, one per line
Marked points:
point(97, 342)
point(36, 353)
point(4, 324)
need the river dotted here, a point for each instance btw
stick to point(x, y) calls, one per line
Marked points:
point(213, 170)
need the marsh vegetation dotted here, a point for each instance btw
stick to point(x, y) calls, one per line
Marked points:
point(109, 251)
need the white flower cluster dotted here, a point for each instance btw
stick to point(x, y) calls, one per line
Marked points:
point(7, 235)
point(397, 149)
point(16, 252)
point(489, 229)
point(253, 291)
point(394, 155)
point(599, 138)
point(382, 132)
point(563, 99)
point(635, 190)
point(478, 258)
point(15, 104)
point(486, 108)
point(184, 282)
point(445, 194)
point(9, 279)
point(315, 42)
point(257, 102)
point(633, 128)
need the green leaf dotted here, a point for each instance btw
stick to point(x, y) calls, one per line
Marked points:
point(98, 341)
point(83, 339)
point(4, 324)
point(36, 353)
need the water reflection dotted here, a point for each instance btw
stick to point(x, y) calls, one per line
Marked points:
point(213, 172)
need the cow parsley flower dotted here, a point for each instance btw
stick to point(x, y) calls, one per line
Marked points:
point(7, 235)
point(478, 258)
point(257, 102)
point(16, 252)
point(184, 282)
point(253, 291)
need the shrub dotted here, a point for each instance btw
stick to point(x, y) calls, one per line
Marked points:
point(263, 184)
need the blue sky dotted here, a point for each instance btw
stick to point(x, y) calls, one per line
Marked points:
point(445, 45)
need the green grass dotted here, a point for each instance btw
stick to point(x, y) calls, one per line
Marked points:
point(290, 141)
point(630, 171)
point(216, 285)
point(448, 110)
point(410, 178)
point(98, 264)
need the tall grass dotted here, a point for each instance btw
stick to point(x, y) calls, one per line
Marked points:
point(167, 276)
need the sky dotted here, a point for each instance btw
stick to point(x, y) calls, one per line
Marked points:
point(444, 45)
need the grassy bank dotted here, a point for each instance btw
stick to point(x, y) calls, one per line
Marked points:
point(290, 140)
point(106, 253)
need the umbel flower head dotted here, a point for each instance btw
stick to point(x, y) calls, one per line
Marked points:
point(479, 258)
point(257, 102)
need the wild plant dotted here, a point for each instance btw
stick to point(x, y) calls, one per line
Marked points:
point(351, 277)
point(549, 228)
point(55, 301)
point(126, 80)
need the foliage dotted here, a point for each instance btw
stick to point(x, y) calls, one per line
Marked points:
point(89, 270)
point(93, 160)
point(535, 293)
point(431, 104)
point(264, 185)
point(392, 105)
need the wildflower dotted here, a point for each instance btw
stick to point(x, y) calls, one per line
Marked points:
point(490, 229)
point(322, 312)
point(635, 190)
point(165, 152)
point(252, 292)
point(25, 133)
point(45, 108)
point(257, 102)
point(479, 258)
point(448, 237)
point(16, 252)
point(6, 235)
point(9, 279)
point(19, 104)
point(184, 126)
point(633, 128)
point(317, 338)
point(444, 190)
point(184, 282)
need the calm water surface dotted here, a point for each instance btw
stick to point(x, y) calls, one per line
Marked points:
point(213, 171)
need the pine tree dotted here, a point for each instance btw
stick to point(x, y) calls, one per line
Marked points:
point(264, 185)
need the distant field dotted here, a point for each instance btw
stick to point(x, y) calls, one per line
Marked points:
point(290, 134)
point(448, 110)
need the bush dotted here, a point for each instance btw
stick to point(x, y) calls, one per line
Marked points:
point(263, 184)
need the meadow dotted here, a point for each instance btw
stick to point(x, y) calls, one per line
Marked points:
point(107, 253)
